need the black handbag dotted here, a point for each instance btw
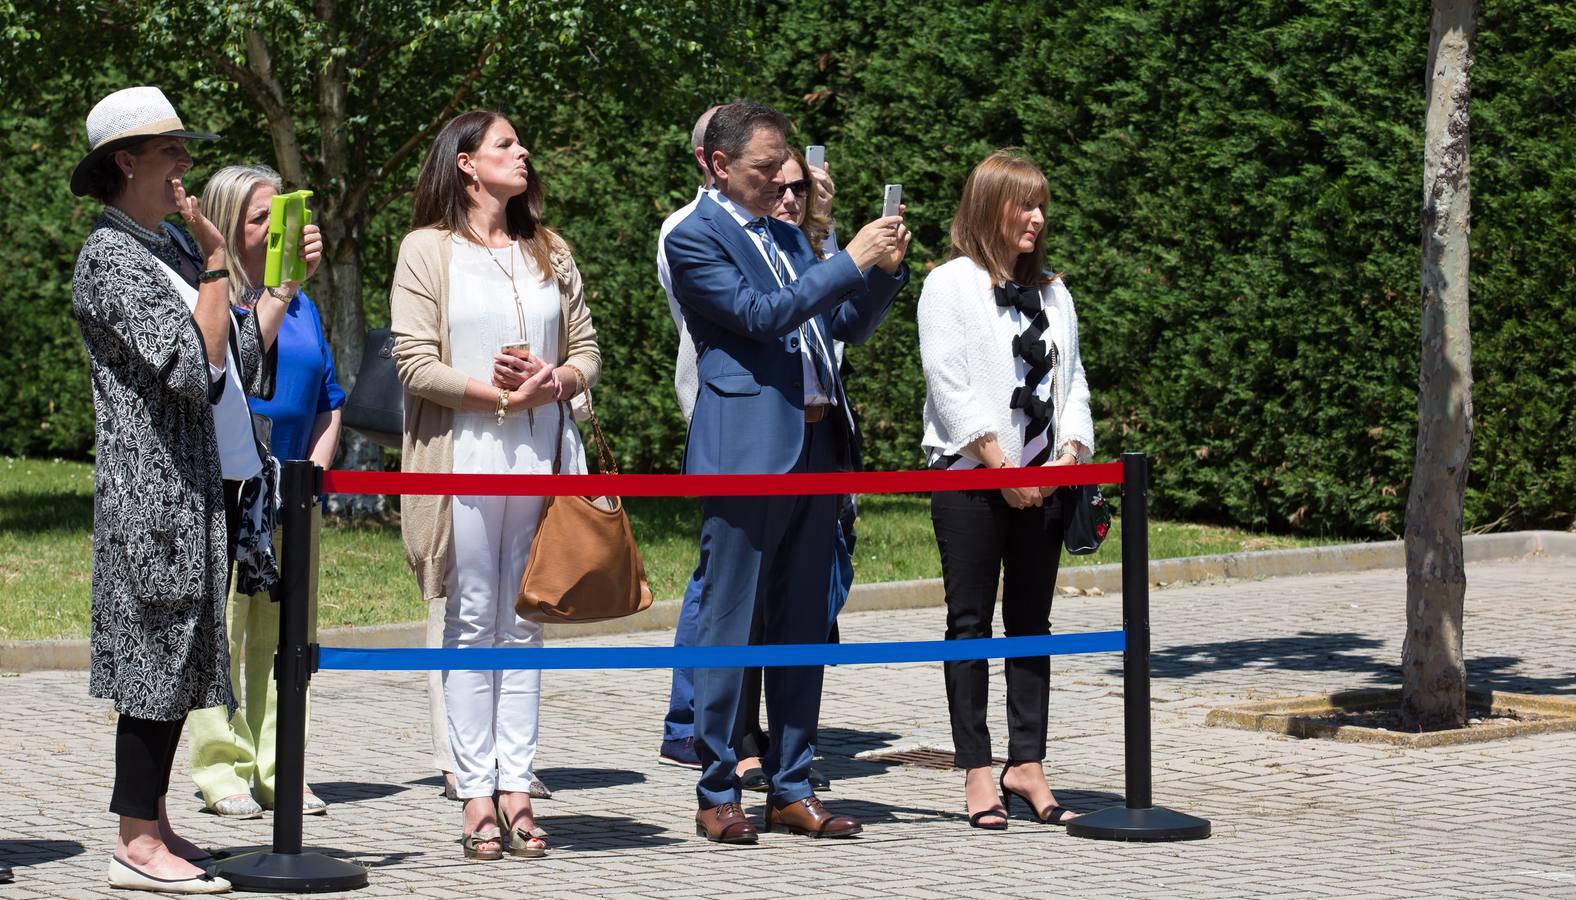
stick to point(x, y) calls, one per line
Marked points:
point(1086, 518)
point(376, 406)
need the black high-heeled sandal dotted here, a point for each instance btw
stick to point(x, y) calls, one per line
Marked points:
point(1051, 815)
point(976, 820)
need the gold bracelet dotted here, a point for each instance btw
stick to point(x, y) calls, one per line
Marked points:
point(503, 405)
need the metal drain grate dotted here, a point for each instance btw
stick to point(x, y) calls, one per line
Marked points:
point(925, 759)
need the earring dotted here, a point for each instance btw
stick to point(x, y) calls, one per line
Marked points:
point(476, 178)
point(130, 175)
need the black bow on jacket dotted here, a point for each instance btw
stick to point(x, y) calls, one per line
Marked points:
point(1026, 297)
point(1032, 352)
point(1025, 399)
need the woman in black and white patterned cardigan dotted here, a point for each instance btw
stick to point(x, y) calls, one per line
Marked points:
point(1004, 386)
point(171, 369)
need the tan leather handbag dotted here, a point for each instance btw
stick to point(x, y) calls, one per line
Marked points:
point(584, 565)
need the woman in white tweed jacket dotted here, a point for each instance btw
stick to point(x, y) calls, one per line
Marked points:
point(1005, 386)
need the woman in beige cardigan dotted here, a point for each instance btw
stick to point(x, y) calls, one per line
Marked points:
point(491, 331)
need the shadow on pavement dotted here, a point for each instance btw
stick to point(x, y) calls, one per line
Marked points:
point(844, 768)
point(351, 791)
point(17, 853)
point(1338, 652)
point(584, 832)
point(1303, 652)
point(579, 779)
point(1495, 672)
point(847, 741)
point(370, 860)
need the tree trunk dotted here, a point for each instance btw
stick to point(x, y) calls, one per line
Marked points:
point(1433, 689)
point(337, 289)
point(339, 278)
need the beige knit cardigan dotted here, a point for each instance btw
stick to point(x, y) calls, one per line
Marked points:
point(434, 389)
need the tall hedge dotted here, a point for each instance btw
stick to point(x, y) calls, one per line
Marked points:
point(1235, 195)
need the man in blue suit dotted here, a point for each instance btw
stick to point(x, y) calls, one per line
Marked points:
point(763, 312)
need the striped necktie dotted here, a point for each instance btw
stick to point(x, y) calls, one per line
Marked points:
point(808, 334)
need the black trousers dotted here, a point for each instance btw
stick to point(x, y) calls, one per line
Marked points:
point(145, 748)
point(982, 539)
point(144, 755)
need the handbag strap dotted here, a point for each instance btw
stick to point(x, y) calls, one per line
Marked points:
point(604, 453)
point(558, 448)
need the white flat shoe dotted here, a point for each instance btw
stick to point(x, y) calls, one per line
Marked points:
point(238, 807)
point(126, 877)
point(313, 805)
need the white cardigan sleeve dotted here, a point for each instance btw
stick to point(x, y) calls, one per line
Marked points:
point(946, 330)
point(1075, 423)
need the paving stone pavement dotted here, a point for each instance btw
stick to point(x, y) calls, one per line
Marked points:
point(1291, 817)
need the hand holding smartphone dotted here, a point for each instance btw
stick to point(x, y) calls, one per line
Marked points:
point(520, 349)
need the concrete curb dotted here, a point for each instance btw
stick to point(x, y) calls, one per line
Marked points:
point(26, 656)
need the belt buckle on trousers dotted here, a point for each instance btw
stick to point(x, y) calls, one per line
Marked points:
point(814, 414)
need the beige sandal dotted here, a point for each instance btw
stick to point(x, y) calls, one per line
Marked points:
point(471, 840)
point(523, 843)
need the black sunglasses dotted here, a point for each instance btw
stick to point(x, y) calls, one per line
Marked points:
point(800, 188)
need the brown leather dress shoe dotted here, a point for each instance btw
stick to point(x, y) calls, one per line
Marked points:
point(809, 817)
point(725, 823)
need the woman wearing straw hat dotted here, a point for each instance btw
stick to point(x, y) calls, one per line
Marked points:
point(171, 370)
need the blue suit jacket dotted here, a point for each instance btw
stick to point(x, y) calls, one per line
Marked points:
point(749, 415)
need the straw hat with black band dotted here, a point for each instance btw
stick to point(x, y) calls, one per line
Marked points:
point(124, 119)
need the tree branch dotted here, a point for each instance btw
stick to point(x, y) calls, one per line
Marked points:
point(270, 95)
point(358, 196)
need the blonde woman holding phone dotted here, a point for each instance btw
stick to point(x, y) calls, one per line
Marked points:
point(233, 756)
point(478, 275)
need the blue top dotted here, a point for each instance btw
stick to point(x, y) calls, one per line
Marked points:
point(304, 385)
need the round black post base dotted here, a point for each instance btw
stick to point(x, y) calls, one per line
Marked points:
point(291, 873)
point(1154, 823)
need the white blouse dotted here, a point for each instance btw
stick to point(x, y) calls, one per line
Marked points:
point(965, 346)
point(232, 418)
point(483, 312)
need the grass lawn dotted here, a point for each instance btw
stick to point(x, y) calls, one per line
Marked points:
point(46, 522)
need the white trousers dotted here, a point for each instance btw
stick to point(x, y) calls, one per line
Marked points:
point(492, 715)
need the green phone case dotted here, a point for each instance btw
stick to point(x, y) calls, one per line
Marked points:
point(286, 219)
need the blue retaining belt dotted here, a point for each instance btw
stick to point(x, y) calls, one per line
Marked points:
point(420, 659)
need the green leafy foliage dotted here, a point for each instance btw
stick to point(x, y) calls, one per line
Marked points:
point(1235, 195)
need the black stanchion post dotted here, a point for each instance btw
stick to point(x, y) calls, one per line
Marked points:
point(1138, 819)
point(286, 869)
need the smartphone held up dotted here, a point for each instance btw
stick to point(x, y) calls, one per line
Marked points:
point(892, 201)
point(287, 218)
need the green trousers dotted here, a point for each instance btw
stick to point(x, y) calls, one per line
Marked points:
point(235, 754)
